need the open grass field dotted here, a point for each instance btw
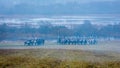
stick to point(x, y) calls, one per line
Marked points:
point(54, 56)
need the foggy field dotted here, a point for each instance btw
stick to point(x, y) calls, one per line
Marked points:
point(59, 34)
point(113, 46)
point(102, 55)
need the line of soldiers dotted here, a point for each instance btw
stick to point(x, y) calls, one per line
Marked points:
point(34, 42)
point(64, 41)
point(76, 41)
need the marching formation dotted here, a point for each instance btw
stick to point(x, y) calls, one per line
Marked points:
point(77, 41)
point(64, 41)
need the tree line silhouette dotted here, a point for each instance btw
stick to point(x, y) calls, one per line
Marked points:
point(50, 31)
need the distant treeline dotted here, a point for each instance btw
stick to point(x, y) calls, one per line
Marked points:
point(51, 31)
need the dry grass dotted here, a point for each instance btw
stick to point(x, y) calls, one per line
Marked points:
point(29, 62)
point(47, 58)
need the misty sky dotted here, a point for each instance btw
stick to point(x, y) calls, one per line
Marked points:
point(59, 7)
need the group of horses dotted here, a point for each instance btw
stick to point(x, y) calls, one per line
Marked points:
point(34, 42)
point(64, 41)
point(77, 41)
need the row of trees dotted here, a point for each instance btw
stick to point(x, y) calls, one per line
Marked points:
point(51, 31)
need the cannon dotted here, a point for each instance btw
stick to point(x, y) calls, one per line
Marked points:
point(32, 42)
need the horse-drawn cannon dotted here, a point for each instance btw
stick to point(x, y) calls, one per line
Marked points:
point(34, 42)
